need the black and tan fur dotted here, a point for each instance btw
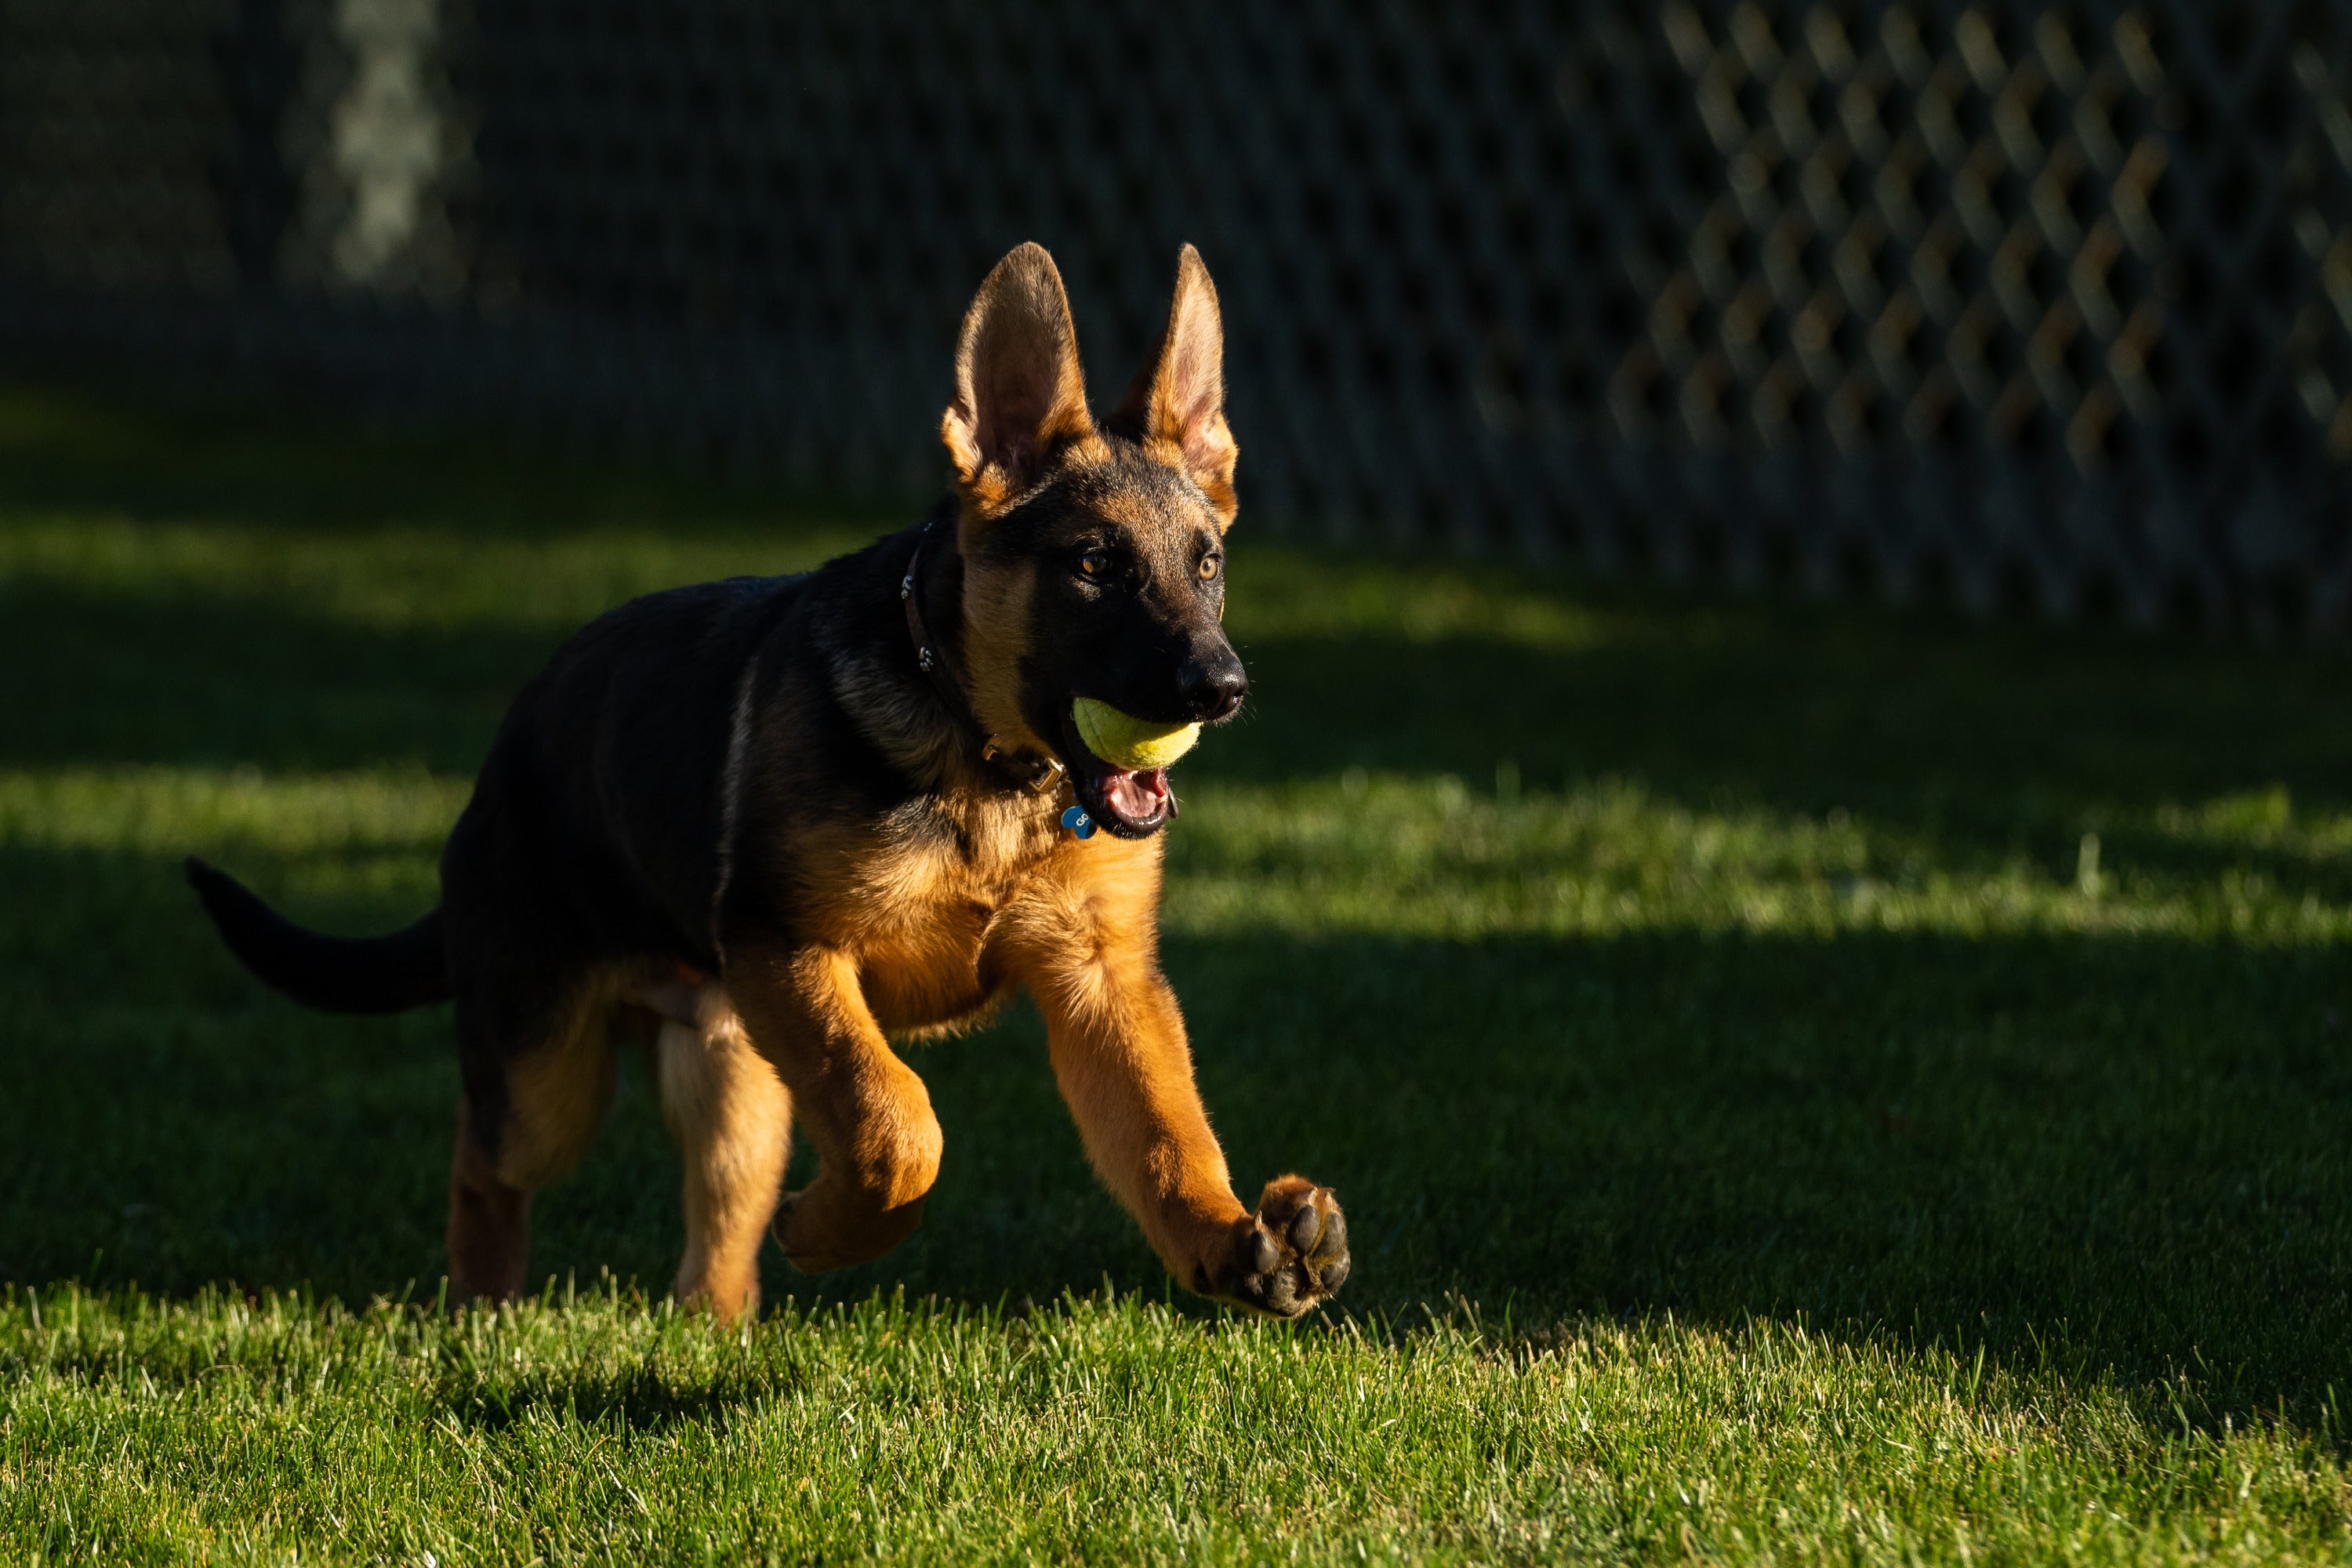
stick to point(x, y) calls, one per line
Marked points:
point(738, 821)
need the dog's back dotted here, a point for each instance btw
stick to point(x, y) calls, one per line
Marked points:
point(605, 791)
point(600, 803)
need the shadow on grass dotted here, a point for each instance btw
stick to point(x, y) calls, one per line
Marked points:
point(2121, 1153)
point(638, 1396)
point(215, 680)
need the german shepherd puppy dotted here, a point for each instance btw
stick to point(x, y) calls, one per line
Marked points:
point(768, 823)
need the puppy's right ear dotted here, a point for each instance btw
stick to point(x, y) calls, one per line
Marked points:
point(1020, 395)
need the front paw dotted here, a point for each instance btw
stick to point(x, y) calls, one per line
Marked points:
point(1287, 1257)
point(831, 1225)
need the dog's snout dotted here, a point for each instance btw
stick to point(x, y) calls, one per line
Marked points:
point(1212, 684)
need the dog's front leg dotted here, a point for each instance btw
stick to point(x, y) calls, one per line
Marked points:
point(1121, 1057)
point(866, 1111)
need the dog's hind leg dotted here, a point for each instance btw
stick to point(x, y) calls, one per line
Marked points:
point(535, 1097)
point(733, 1119)
point(490, 1222)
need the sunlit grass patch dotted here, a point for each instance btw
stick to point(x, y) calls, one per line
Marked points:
point(1300, 595)
point(1420, 855)
point(578, 1426)
point(392, 577)
point(1432, 856)
point(167, 810)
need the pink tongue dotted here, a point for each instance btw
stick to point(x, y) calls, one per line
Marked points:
point(1138, 797)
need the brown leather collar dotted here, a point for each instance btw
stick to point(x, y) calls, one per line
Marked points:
point(1017, 766)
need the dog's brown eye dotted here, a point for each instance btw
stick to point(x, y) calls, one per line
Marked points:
point(1209, 566)
point(1095, 562)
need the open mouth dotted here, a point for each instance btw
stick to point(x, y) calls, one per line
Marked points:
point(1133, 803)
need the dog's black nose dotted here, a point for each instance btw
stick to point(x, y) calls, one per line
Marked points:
point(1212, 684)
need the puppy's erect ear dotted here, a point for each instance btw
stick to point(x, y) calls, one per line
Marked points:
point(1020, 396)
point(1176, 408)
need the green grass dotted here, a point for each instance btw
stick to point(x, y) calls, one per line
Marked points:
point(1806, 1083)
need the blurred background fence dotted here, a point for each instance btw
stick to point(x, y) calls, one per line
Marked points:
point(1993, 303)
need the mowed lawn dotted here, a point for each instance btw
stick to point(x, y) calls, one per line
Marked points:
point(1807, 1083)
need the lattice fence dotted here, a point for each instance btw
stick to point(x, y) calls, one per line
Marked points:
point(1998, 302)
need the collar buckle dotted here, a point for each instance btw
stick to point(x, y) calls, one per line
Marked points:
point(1045, 772)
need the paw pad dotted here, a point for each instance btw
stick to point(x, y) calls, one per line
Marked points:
point(1290, 1256)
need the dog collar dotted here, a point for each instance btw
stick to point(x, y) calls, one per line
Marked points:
point(1014, 763)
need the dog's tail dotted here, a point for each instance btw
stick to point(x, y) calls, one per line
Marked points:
point(340, 974)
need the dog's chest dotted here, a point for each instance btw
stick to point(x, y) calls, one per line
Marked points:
point(920, 905)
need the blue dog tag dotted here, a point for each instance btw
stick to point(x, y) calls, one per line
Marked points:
point(1077, 820)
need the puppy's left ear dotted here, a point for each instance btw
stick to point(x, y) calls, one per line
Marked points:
point(1176, 409)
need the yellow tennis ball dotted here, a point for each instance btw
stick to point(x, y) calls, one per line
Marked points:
point(1128, 741)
